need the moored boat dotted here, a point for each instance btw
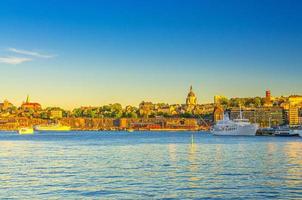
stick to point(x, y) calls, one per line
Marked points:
point(26, 131)
point(286, 132)
point(298, 131)
point(52, 127)
point(237, 127)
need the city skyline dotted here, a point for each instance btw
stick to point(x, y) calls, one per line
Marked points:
point(28, 99)
point(127, 52)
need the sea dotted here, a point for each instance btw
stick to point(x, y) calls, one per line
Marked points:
point(148, 165)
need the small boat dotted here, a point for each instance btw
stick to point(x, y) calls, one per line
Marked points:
point(130, 130)
point(286, 132)
point(26, 131)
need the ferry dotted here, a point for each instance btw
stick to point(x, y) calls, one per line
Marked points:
point(236, 127)
point(52, 127)
point(286, 132)
point(26, 131)
point(298, 131)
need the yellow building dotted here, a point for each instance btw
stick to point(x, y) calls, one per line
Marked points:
point(190, 122)
point(56, 114)
point(295, 100)
point(294, 103)
point(191, 98)
point(146, 108)
point(218, 99)
point(293, 115)
point(123, 123)
point(218, 113)
point(5, 105)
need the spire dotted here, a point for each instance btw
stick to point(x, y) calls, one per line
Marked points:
point(27, 99)
point(191, 88)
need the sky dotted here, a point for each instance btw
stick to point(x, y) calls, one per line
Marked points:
point(88, 53)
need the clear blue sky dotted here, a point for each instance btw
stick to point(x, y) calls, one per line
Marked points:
point(71, 53)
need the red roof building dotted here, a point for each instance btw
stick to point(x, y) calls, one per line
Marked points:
point(30, 105)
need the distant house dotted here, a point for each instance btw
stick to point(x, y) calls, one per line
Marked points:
point(5, 105)
point(218, 113)
point(56, 114)
point(30, 105)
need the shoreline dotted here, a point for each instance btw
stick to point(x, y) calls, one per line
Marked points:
point(117, 130)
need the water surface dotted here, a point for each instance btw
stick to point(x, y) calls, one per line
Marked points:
point(148, 165)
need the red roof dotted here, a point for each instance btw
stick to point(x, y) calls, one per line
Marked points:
point(31, 104)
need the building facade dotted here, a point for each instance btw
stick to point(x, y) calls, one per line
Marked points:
point(191, 99)
point(272, 116)
point(30, 105)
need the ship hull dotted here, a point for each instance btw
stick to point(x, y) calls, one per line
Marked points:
point(239, 131)
point(52, 128)
point(299, 132)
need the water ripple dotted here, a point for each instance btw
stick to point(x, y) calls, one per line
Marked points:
point(144, 165)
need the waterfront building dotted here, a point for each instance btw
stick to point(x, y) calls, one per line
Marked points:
point(181, 123)
point(264, 116)
point(30, 105)
point(218, 113)
point(291, 106)
point(123, 123)
point(293, 115)
point(84, 123)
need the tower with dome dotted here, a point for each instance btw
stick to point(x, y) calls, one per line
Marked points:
point(191, 98)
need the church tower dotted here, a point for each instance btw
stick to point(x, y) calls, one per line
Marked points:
point(27, 99)
point(191, 98)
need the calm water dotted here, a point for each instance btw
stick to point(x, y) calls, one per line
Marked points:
point(149, 165)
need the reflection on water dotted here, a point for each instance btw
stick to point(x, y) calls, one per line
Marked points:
point(148, 165)
point(193, 164)
point(172, 153)
point(293, 153)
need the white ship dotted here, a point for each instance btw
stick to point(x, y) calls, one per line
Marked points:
point(239, 127)
point(52, 127)
point(298, 131)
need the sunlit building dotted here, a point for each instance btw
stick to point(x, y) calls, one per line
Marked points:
point(5, 105)
point(56, 114)
point(146, 108)
point(30, 105)
point(268, 99)
point(218, 113)
point(293, 115)
point(291, 108)
point(264, 116)
point(191, 98)
point(295, 100)
point(202, 109)
point(218, 99)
